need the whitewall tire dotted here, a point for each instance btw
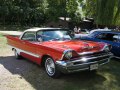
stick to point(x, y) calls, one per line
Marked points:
point(51, 68)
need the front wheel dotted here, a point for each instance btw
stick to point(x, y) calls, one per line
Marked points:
point(51, 68)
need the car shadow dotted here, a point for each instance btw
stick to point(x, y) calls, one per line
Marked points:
point(36, 76)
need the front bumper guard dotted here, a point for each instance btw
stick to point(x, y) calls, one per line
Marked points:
point(75, 65)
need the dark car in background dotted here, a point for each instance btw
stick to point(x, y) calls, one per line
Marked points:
point(110, 37)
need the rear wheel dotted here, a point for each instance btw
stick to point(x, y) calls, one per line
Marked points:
point(17, 56)
point(51, 68)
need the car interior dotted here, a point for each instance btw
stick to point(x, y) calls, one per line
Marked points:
point(109, 37)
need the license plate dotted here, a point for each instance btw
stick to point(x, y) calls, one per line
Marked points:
point(93, 66)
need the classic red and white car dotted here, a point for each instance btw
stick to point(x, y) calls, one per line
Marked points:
point(58, 51)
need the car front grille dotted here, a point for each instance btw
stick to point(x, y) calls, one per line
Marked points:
point(94, 57)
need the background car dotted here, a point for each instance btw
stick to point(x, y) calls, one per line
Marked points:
point(99, 30)
point(85, 32)
point(110, 37)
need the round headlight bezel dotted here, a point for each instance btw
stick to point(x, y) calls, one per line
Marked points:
point(68, 54)
point(106, 48)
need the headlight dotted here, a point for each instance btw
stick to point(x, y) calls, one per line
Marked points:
point(68, 54)
point(106, 48)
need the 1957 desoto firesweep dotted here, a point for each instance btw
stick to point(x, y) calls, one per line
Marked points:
point(58, 51)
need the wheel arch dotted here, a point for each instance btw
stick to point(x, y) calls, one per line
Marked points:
point(13, 49)
point(42, 63)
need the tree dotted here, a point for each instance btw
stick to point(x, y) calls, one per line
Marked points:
point(64, 8)
point(22, 11)
point(104, 12)
point(56, 8)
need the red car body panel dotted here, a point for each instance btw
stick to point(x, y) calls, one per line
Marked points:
point(54, 49)
point(35, 48)
point(57, 49)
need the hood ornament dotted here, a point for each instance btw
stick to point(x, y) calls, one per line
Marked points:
point(88, 47)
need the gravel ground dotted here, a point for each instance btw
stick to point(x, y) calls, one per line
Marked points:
point(23, 75)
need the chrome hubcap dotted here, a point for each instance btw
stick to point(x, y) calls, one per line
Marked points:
point(50, 66)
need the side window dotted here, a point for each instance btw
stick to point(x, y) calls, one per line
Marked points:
point(94, 34)
point(30, 36)
point(108, 37)
point(39, 35)
point(116, 38)
point(102, 36)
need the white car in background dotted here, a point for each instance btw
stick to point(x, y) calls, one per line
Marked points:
point(99, 30)
point(94, 30)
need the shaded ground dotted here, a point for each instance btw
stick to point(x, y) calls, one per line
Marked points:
point(25, 75)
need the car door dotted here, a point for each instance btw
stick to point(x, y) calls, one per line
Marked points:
point(116, 45)
point(29, 44)
point(112, 39)
point(92, 36)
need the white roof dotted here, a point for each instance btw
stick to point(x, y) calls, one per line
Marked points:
point(99, 30)
point(37, 29)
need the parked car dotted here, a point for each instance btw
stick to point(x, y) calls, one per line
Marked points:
point(58, 52)
point(110, 37)
point(86, 32)
point(99, 30)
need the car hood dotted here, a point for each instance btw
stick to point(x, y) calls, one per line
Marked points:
point(77, 45)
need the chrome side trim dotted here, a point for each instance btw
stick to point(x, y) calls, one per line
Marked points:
point(29, 53)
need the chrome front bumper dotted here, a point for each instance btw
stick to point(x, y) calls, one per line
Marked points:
point(82, 63)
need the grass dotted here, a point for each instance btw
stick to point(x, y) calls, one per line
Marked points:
point(106, 78)
point(4, 49)
point(2, 40)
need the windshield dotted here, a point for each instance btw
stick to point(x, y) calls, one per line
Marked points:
point(54, 35)
point(93, 34)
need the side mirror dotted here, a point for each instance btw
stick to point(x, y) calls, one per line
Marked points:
point(40, 39)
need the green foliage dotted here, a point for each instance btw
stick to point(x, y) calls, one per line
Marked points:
point(64, 8)
point(37, 12)
point(104, 12)
point(22, 11)
point(56, 8)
